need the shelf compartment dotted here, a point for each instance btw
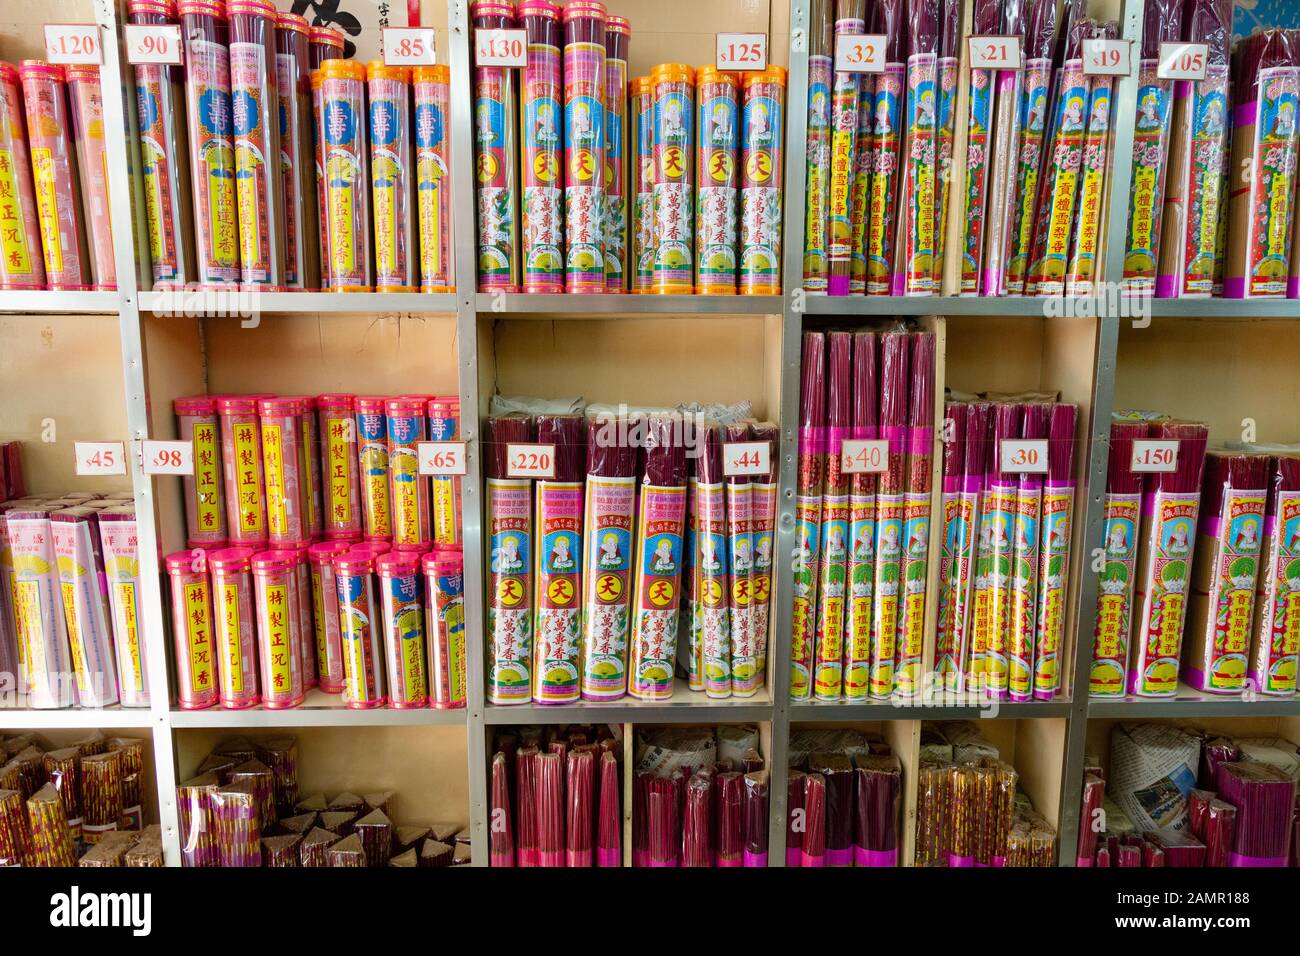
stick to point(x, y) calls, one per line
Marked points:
point(1194, 703)
point(318, 710)
point(684, 707)
point(886, 711)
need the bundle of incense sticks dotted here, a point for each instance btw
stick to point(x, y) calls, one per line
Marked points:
point(1225, 571)
point(692, 619)
point(845, 101)
point(932, 814)
point(877, 782)
point(557, 567)
point(349, 853)
point(993, 574)
point(1191, 254)
point(1265, 139)
point(315, 846)
point(15, 835)
point(1032, 842)
point(1005, 120)
point(1220, 832)
point(891, 508)
point(63, 769)
point(51, 840)
point(197, 822)
point(947, 77)
point(697, 822)
point(101, 794)
point(1275, 652)
point(813, 849)
point(1024, 568)
point(997, 809)
point(881, 224)
point(282, 851)
point(1094, 791)
point(910, 636)
point(833, 552)
point(1178, 847)
point(607, 523)
point(1094, 182)
point(238, 831)
point(963, 810)
point(550, 809)
point(808, 504)
point(1214, 752)
point(1264, 796)
point(609, 822)
point(1121, 511)
point(979, 127)
point(710, 623)
point(794, 805)
point(861, 569)
point(510, 536)
point(863, 158)
point(1169, 515)
point(501, 850)
point(662, 809)
point(837, 773)
point(376, 833)
point(954, 540)
point(641, 817)
point(755, 818)
point(581, 805)
point(918, 185)
point(821, 63)
point(738, 652)
point(281, 755)
point(762, 523)
point(970, 655)
point(1055, 536)
point(526, 807)
point(729, 819)
point(262, 781)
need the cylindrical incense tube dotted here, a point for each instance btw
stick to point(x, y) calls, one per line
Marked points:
point(672, 234)
point(275, 597)
point(821, 62)
point(510, 579)
point(325, 601)
point(306, 638)
point(1006, 117)
point(557, 568)
point(340, 466)
point(542, 170)
point(392, 178)
point(88, 134)
point(347, 182)
point(618, 35)
point(197, 676)
point(890, 514)
point(996, 562)
point(241, 461)
point(749, 659)
point(236, 630)
point(54, 176)
point(828, 679)
point(918, 182)
point(762, 172)
point(372, 449)
point(641, 107)
point(296, 121)
point(849, 21)
point(444, 627)
point(947, 79)
point(403, 627)
point(1055, 541)
point(432, 90)
point(717, 123)
point(255, 110)
point(361, 630)
point(282, 465)
point(444, 425)
point(979, 127)
point(85, 605)
point(205, 514)
point(324, 43)
point(908, 678)
point(955, 536)
point(21, 265)
point(1094, 171)
point(496, 123)
point(808, 506)
point(408, 490)
point(118, 540)
point(584, 146)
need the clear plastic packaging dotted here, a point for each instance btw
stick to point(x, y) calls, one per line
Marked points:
point(496, 125)
point(672, 235)
point(118, 540)
point(298, 181)
point(359, 626)
point(432, 89)
point(340, 467)
point(400, 590)
point(584, 146)
point(242, 468)
point(347, 184)
point(275, 597)
point(542, 166)
point(445, 627)
point(205, 515)
point(372, 448)
point(408, 490)
point(85, 605)
point(236, 628)
point(392, 174)
point(21, 264)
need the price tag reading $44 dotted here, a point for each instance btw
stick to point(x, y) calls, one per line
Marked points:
point(746, 458)
point(530, 460)
point(1025, 456)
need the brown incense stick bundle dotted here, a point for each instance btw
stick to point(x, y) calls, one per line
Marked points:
point(300, 823)
point(338, 822)
point(932, 814)
point(348, 801)
point(407, 859)
point(550, 809)
point(197, 823)
point(110, 851)
point(261, 780)
point(877, 790)
point(238, 749)
point(348, 852)
point(315, 802)
point(15, 836)
point(502, 835)
point(434, 854)
point(281, 755)
point(963, 811)
point(409, 838)
point(26, 771)
point(101, 794)
point(282, 851)
point(239, 833)
point(148, 852)
point(51, 838)
point(63, 769)
point(381, 801)
point(314, 850)
point(376, 833)
point(222, 767)
point(93, 743)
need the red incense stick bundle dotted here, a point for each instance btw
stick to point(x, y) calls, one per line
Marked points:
point(510, 579)
point(877, 791)
point(837, 772)
point(526, 808)
point(918, 186)
point(737, 651)
point(946, 81)
point(794, 808)
point(1180, 848)
point(1024, 568)
point(239, 834)
point(580, 802)
point(971, 655)
point(1275, 651)
point(641, 782)
point(979, 127)
point(502, 843)
point(1004, 142)
point(814, 805)
point(881, 226)
point(821, 63)
point(993, 600)
point(1094, 791)
point(15, 835)
point(910, 637)
point(557, 568)
point(828, 674)
point(890, 513)
point(747, 676)
point(1264, 796)
point(729, 819)
point(849, 20)
point(1214, 752)
point(1220, 832)
point(1055, 538)
point(550, 809)
point(863, 165)
point(664, 832)
point(954, 453)
point(812, 474)
point(697, 822)
point(51, 840)
point(861, 570)
point(1198, 807)
point(609, 823)
point(932, 832)
point(756, 819)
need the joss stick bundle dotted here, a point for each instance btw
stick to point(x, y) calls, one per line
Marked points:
point(641, 817)
point(954, 535)
point(1220, 833)
point(315, 847)
point(877, 781)
point(609, 823)
point(970, 657)
point(794, 805)
point(756, 820)
point(975, 179)
point(1264, 796)
point(736, 656)
point(282, 851)
point(833, 561)
point(1274, 651)
point(697, 822)
point(946, 79)
point(662, 815)
point(890, 512)
point(1024, 574)
point(526, 808)
point(963, 813)
point(863, 167)
point(932, 814)
point(510, 537)
point(239, 834)
point(1055, 537)
point(1094, 182)
point(881, 226)
point(101, 794)
point(915, 246)
point(711, 657)
point(916, 517)
point(580, 804)
point(376, 833)
point(557, 568)
point(502, 849)
point(198, 828)
point(808, 504)
point(1094, 791)
point(729, 819)
point(262, 781)
point(762, 524)
point(837, 771)
point(15, 835)
point(63, 769)
point(821, 62)
point(1003, 145)
point(814, 805)
point(51, 840)
point(348, 853)
point(849, 21)
point(993, 600)
point(861, 577)
point(550, 809)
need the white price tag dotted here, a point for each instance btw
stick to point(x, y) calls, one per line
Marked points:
point(1107, 57)
point(1183, 61)
point(1026, 456)
point(860, 53)
point(408, 46)
point(442, 457)
point(73, 43)
point(154, 43)
point(99, 458)
point(167, 457)
point(742, 458)
point(1154, 455)
point(742, 51)
point(500, 48)
point(864, 456)
point(530, 460)
point(995, 52)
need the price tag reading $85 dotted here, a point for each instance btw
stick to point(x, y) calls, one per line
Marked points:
point(99, 458)
point(530, 460)
point(742, 458)
point(442, 457)
point(409, 46)
point(1026, 456)
point(167, 457)
point(860, 456)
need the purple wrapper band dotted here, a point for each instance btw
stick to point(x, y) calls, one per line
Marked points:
point(865, 857)
point(864, 432)
point(960, 861)
point(920, 441)
point(807, 859)
point(1234, 288)
point(842, 857)
point(999, 861)
point(1195, 678)
point(502, 859)
point(1293, 287)
point(1166, 287)
point(729, 864)
point(1236, 859)
point(1210, 525)
point(607, 857)
point(1083, 861)
point(640, 858)
point(952, 484)
point(835, 436)
point(973, 484)
point(550, 858)
point(896, 435)
point(663, 865)
point(1245, 114)
point(812, 441)
point(760, 859)
point(793, 856)
point(837, 285)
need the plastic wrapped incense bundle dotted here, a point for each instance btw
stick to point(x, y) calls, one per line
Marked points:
point(85, 605)
point(861, 568)
point(51, 840)
point(392, 178)
point(641, 785)
point(821, 62)
point(728, 819)
point(697, 822)
point(542, 92)
point(754, 824)
point(584, 146)
point(932, 814)
point(979, 128)
point(609, 813)
point(1220, 833)
point(946, 82)
point(15, 834)
point(641, 229)
point(1276, 644)
point(964, 820)
point(813, 849)
point(1264, 796)
point(971, 655)
point(1023, 618)
point(315, 846)
point(296, 121)
point(1221, 602)
point(1122, 513)
point(910, 637)
point(117, 537)
point(580, 807)
point(279, 628)
point(618, 35)
point(372, 451)
point(833, 550)
point(431, 86)
point(101, 794)
point(955, 535)
point(510, 580)
point(808, 506)
point(325, 605)
point(445, 490)
point(301, 589)
point(761, 171)
point(915, 244)
point(340, 463)
point(1055, 536)
point(403, 628)
point(890, 513)
point(658, 567)
point(1094, 173)
point(794, 805)
point(1180, 848)
point(360, 629)
point(881, 223)
point(280, 755)
point(557, 572)
point(502, 848)
point(37, 609)
point(718, 122)
point(1036, 91)
point(20, 266)
point(1094, 790)
point(282, 466)
point(444, 626)
point(408, 490)
point(1006, 115)
point(241, 461)
point(850, 20)
point(348, 852)
point(347, 184)
point(877, 782)
point(63, 769)
point(749, 665)
point(1191, 259)
point(993, 575)
point(837, 771)
point(197, 674)
point(87, 112)
point(550, 810)
point(54, 176)
point(711, 568)
point(375, 831)
point(205, 516)
point(235, 627)
point(255, 109)
point(672, 233)
point(663, 809)
point(259, 780)
point(325, 43)
point(998, 800)
point(1169, 513)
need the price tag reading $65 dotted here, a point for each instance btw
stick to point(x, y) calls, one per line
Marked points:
point(442, 457)
point(1025, 456)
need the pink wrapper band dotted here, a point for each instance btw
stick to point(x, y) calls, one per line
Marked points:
point(999, 861)
point(663, 864)
point(578, 858)
point(864, 432)
point(837, 285)
point(1293, 287)
point(896, 435)
point(1234, 288)
point(835, 435)
point(1236, 859)
point(1196, 679)
point(808, 859)
point(1166, 287)
point(608, 857)
point(920, 441)
point(502, 859)
point(960, 861)
point(729, 864)
point(759, 859)
point(793, 856)
point(864, 857)
point(1083, 861)
point(842, 857)
point(640, 858)
point(550, 858)
point(812, 441)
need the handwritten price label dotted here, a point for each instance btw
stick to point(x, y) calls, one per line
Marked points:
point(442, 457)
point(744, 458)
point(1154, 456)
point(1026, 456)
point(860, 53)
point(530, 461)
point(742, 51)
point(99, 458)
point(167, 457)
point(500, 48)
point(864, 456)
point(408, 46)
point(1183, 61)
point(154, 43)
point(995, 52)
point(73, 43)
point(1106, 57)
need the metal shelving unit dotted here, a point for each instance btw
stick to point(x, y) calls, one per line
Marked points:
point(133, 305)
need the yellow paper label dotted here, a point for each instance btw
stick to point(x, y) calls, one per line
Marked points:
point(273, 463)
point(280, 660)
point(27, 615)
point(385, 197)
point(233, 672)
point(207, 480)
point(199, 637)
point(221, 205)
point(342, 253)
point(127, 625)
point(13, 231)
point(251, 508)
point(47, 207)
point(340, 500)
point(74, 633)
point(250, 236)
